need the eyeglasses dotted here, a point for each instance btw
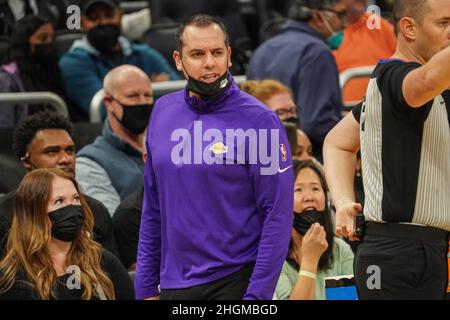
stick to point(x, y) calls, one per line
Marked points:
point(341, 14)
point(286, 111)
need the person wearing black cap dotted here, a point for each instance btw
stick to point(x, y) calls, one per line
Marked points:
point(102, 49)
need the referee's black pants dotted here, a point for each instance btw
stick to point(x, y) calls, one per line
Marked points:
point(232, 287)
point(401, 261)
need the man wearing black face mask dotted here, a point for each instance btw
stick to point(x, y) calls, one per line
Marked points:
point(111, 168)
point(212, 230)
point(84, 67)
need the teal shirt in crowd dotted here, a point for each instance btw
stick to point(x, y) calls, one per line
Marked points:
point(83, 68)
point(342, 265)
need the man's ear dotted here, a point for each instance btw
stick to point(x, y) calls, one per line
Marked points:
point(83, 23)
point(121, 13)
point(408, 28)
point(26, 162)
point(229, 58)
point(144, 157)
point(177, 59)
point(107, 101)
point(317, 19)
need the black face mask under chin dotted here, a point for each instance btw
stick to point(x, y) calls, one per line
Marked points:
point(304, 220)
point(293, 120)
point(208, 91)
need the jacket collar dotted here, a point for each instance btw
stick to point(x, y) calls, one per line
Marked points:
point(303, 27)
point(83, 43)
point(116, 141)
point(205, 106)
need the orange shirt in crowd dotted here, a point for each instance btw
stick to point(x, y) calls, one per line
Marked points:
point(363, 47)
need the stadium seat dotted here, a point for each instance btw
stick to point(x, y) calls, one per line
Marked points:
point(4, 48)
point(162, 38)
point(64, 40)
point(270, 9)
point(271, 28)
point(133, 6)
point(12, 173)
point(85, 133)
point(11, 169)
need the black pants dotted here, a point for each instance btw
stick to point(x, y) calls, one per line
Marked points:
point(232, 287)
point(410, 262)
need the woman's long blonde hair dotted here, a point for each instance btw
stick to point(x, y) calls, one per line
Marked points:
point(30, 234)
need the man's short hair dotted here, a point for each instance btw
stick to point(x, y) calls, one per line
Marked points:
point(416, 9)
point(27, 129)
point(201, 21)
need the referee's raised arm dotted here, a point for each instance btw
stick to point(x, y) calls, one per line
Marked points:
point(430, 80)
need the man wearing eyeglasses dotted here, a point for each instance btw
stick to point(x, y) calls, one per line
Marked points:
point(300, 57)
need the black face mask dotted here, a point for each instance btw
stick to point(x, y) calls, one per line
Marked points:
point(104, 37)
point(45, 53)
point(304, 220)
point(293, 120)
point(66, 222)
point(135, 117)
point(208, 91)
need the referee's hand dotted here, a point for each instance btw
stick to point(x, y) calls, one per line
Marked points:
point(345, 220)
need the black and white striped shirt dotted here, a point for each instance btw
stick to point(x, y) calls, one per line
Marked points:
point(405, 152)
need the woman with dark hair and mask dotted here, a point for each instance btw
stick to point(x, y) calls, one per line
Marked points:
point(32, 66)
point(314, 251)
point(51, 253)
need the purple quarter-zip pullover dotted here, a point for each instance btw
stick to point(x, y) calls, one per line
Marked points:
point(209, 207)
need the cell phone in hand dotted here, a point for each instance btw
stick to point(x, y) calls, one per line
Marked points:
point(359, 225)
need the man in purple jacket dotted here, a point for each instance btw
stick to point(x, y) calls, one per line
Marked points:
point(217, 210)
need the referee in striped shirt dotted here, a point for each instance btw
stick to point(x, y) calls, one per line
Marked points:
point(402, 130)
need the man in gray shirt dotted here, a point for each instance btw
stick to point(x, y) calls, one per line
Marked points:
point(111, 168)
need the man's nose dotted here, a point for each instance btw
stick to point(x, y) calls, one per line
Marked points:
point(144, 99)
point(141, 99)
point(66, 158)
point(209, 61)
